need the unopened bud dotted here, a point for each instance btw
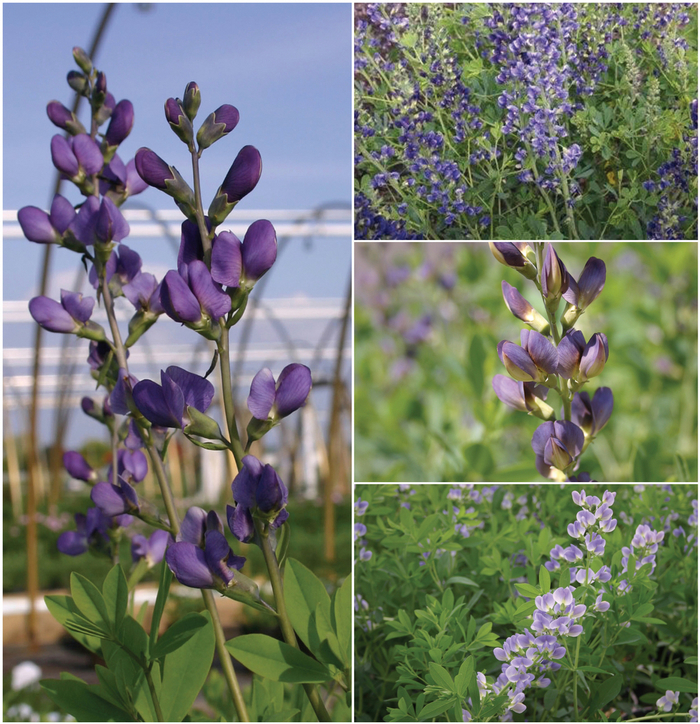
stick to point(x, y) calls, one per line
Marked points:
point(77, 81)
point(82, 59)
point(191, 100)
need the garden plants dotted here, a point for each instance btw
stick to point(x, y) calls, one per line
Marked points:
point(526, 603)
point(146, 676)
point(526, 121)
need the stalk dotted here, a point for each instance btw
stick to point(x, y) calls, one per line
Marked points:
point(204, 234)
point(227, 393)
point(169, 502)
point(285, 624)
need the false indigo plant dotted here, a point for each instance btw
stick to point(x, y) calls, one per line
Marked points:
point(539, 609)
point(148, 677)
point(564, 364)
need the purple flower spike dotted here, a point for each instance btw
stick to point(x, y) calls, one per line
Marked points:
point(78, 467)
point(120, 124)
point(115, 499)
point(244, 174)
point(594, 357)
point(592, 416)
point(270, 401)
point(259, 250)
point(166, 404)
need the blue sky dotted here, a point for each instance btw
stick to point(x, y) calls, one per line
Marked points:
point(285, 66)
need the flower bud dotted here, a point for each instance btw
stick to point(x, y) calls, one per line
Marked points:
point(178, 120)
point(594, 357)
point(77, 81)
point(82, 59)
point(120, 125)
point(191, 100)
point(222, 121)
point(156, 172)
point(240, 180)
point(523, 310)
point(513, 255)
point(554, 278)
point(78, 467)
point(104, 111)
point(65, 119)
point(259, 250)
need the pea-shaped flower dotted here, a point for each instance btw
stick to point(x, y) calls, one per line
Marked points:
point(99, 222)
point(259, 493)
point(91, 529)
point(43, 228)
point(580, 361)
point(70, 316)
point(524, 396)
point(557, 445)
point(522, 309)
point(592, 415)
point(590, 284)
point(190, 294)
point(77, 157)
point(150, 549)
point(166, 405)
point(533, 361)
point(115, 499)
point(513, 254)
point(270, 400)
point(241, 179)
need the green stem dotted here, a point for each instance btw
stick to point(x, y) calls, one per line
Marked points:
point(227, 393)
point(578, 646)
point(285, 623)
point(199, 210)
point(224, 656)
point(154, 696)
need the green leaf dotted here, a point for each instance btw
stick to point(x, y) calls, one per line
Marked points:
point(464, 677)
point(283, 534)
point(527, 590)
point(435, 709)
point(324, 639)
point(302, 593)
point(64, 611)
point(133, 637)
point(75, 697)
point(277, 660)
point(676, 683)
point(593, 669)
point(88, 599)
point(693, 660)
point(178, 634)
point(642, 611)
point(342, 618)
point(166, 577)
point(185, 671)
point(606, 692)
point(441, 677)
point(545, 580)
point(461, 579)
point(115, 593)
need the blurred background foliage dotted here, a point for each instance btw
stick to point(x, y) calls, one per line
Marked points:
point(428, 317)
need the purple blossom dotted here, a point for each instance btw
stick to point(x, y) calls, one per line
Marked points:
point(274, 400)
point(151, 549)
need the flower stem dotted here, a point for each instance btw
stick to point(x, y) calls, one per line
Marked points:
point(154, 696)
point(285, 623)
point(578, 646)
point(199, 210)
point(227, 392)
point(174, 519)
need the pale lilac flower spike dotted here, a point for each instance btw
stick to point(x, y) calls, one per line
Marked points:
point(667, 701)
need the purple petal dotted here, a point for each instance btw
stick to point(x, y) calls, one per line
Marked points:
point(243, 175)
point(540, 437)
point(591, 281)
point(77, 466)
point(150, 400)
point(518, 363)
point(191, 248)
point(259, 249)
point(58, 114)
point(189, 565)
point(216, 553)
point(51, 315)
point(178, 301)
point(63, 157)
point(118, 226)
point(516, 303)
point(570, 350)
point(602, 408)
point(509, 392)
point(157, 544)
point(293, 388)
point(542, 351)
point(36, 225)
point(271, 492)
point(78, 307)
point(571, 294)
point(173, 396)
point(62, 213)
point(120, 123)
point(556, 454)
point(88, 153)
point(134, 183)
point(140, 290)
point(85, 223)
point(193, 526)
point(197, 391)
point(228, 115)
point(245, 483)
point(283, 515)
point(214, 302)
point(152, 169)
point(226, 259)
point(240, 522)
point(139, 547)
point(262, 394)
point(110, 499)
point(119, 397)
point(594, 356)
point(570, 435)
point(135, 463)
point(72, 543)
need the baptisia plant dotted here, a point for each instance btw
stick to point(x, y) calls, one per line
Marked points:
point(148, 677)
point(554, 355)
